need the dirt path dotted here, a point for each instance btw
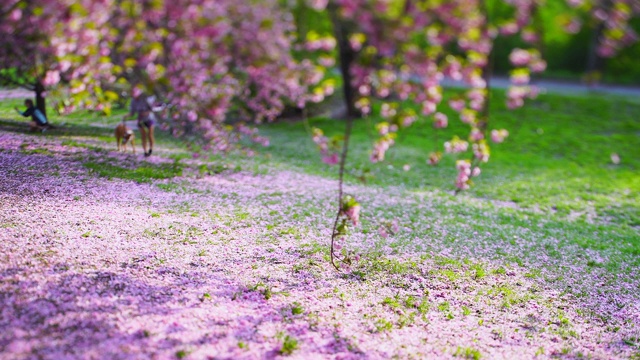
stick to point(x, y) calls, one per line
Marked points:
point(551, 86)
point(564, 87)
point(15, 93)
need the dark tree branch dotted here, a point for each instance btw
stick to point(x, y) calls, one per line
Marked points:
point(9, 80)
point(346, 56)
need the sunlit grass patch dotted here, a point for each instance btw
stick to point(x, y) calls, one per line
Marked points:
point(142, 174)
point(38, 151)
point(557, 157)
point(467, 353)
point(82, 145)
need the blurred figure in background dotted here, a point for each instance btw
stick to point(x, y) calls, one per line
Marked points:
point(143, 110)
point(38, 119)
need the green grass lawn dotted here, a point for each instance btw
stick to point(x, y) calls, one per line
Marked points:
point(553, 175)
point(554, 168)
point(556, 159)
point(551, 220)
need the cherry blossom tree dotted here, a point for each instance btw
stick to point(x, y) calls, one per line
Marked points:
point(48, 42)
point(608, 21)
point(218, 64)
point(212, 60)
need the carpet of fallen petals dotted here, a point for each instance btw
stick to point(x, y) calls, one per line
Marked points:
point(234, 266)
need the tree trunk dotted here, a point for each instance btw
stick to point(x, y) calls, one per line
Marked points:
point(595, 63)
point(41, 102)
point(346, 57)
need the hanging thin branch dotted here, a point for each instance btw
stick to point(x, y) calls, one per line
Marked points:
point(343, 159)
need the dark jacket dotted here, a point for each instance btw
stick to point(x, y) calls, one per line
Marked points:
point(36, 115)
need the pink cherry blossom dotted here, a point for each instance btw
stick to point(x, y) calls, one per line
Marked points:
point(440, 120)
point(519, 57)
point(498, 136)
point(457, 105)
point(476, 135)
point(615, 158)
point(331, 159)
point(456, 145)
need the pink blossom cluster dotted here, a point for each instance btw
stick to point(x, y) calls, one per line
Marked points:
point(457, 104)
point(465, 173)
point(476, 135)
point(516, 95)
point(71, 40)
point(351, 210)
point(356, 41)
point(528, 58)
point(388, 110)
point(387, 130)
point(440, 120)
point(328, 150)
point(469, 116)
point(477, 98)
point(526, 61)
point(316, 42)
point(615, 17)
point(530, 36)
point(481, 151)
point(384, 128)
point(498, 136)
point(456, 145)
point(381, 146)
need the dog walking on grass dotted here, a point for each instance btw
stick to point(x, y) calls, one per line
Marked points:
point(124, 135)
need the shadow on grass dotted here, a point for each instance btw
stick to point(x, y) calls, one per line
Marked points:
point(22, 127)
point(81, 314)
point(103, 133)
point(32, 161)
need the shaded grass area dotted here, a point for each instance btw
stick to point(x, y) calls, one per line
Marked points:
point(94, 132)
point(82, 123)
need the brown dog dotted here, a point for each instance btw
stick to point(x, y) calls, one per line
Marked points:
point(124, 135)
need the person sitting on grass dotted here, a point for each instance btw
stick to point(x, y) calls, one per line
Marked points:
point(38, 119)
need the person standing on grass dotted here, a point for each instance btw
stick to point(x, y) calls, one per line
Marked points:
point(38, 119)
point(140, 106)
